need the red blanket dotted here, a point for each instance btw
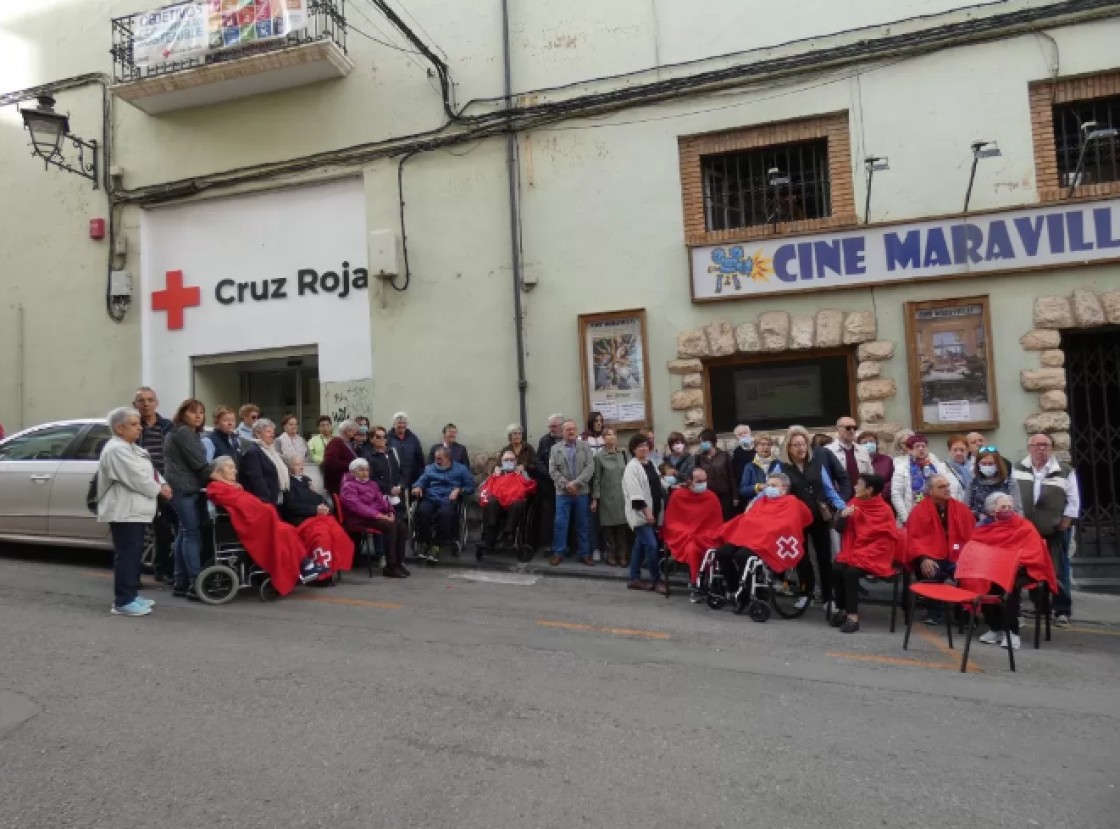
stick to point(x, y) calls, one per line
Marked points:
point(925, 536)
point(773, 528)
point(327, 542)
point(273, 545)
point(872, 540)
point(1017, 533)
point(692, 525)
point(507, 488)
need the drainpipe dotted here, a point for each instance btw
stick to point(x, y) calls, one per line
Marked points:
point(513, 167)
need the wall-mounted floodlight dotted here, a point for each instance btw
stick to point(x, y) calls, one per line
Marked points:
point(980, 149)
point(873, 164)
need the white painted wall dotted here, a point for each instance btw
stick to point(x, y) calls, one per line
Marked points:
point(601, 225)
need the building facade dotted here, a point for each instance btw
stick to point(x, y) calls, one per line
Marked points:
point(908, 211)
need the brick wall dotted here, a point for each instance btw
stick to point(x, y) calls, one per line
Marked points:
point(1043, 96)
point(833, 126)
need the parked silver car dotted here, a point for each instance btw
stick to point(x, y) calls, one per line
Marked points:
point(44, 477)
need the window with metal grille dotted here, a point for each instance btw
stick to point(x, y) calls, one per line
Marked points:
point(741, 191)
point(1102, 156)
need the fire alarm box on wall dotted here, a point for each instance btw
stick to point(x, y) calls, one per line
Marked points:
point(97, 229)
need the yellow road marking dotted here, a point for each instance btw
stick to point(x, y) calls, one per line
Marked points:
point(894, 660)
point(944, 649)
point(347, 602)
point(101, 574)
point(1094, 631)
point(644, 634)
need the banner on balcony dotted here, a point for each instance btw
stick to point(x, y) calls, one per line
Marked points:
point(1040, 237)
point(192, 29)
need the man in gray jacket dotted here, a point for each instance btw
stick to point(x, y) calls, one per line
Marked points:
point(571, 467)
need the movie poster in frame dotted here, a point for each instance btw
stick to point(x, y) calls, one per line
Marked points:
point(614, 367)
point(952, 370)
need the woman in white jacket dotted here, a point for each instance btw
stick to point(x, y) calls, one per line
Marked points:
point(128, 487)
point(912, 471)
point(641, 492)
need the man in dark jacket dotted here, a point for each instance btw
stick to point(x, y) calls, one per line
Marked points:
point(409, 451)
point(301, 501)
point(153, 430)
point(451, 444)
point(546, 489)
point(385, 471)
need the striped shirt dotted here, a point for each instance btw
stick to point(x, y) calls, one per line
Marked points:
point(151, 438)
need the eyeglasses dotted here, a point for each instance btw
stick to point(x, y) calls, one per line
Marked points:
point(254, 417)
point(850, 428)
point(379, 436)
point(1039, 445)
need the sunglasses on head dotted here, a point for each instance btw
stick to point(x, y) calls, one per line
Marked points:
point(988, 449)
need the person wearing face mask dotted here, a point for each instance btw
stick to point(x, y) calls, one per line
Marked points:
point(641, 491)
point(503, 497)
point(1004, 529)
point(753, 479)
point(682, 460)
point(717, 463)
point(741, 456)
point(991, 474)
point(607, 503)
point(881, 463)
point(692, 522)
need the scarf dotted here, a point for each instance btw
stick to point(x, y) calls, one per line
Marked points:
point(692, 522)
point(273, 455)
point(918, 474)
point(871, 541)
point(763, 463)
point(925, 536)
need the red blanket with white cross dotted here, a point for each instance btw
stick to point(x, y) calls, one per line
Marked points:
point(773, 529)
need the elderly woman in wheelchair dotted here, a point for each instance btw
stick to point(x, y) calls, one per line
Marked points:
point(253, 548)
point(366, 509)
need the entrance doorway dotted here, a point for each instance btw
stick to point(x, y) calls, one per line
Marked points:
point(1093, 375)
point(280, 381)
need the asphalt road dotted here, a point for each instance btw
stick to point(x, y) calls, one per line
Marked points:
point(523, 701)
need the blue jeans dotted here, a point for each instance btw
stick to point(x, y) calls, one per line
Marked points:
point(645, 546)
point(128, 551)
point(1058, 543)
point(188, 543)
point(566, 506)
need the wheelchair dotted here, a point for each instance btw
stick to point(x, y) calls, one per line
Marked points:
point(761, 590)
point(230, 569)
point(462, 530)
point(521, 541)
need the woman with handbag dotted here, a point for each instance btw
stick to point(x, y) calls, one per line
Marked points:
point(809, 481)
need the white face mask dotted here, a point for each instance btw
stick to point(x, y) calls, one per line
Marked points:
point(988, 470)
point(677, 448)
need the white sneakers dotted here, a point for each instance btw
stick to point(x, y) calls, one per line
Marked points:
point(995, 637)
point(801, 602)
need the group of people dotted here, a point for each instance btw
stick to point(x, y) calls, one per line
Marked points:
point(592, 500)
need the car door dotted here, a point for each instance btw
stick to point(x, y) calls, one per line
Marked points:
point(70, 521)
point(29, 462)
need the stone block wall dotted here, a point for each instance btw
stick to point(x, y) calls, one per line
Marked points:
point(1082, 309)
point(778, 332)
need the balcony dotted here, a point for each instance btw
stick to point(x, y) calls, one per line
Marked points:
point(197, 53)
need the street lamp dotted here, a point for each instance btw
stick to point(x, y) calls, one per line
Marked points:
point(48, 129)
point(873, 164)
point(980, 149)
point(1091, 132)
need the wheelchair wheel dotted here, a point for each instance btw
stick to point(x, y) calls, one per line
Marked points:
point(716, 602)
point(786, 594)
point(217, 584)
point(268, 592)
point(336, 578)
point(758, 611)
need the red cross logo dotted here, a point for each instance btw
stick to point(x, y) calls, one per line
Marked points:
point(174, 299)
point(788, 547)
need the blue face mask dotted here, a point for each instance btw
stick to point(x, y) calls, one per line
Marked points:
point(871, 446)
point(772, 492)
point(746, 441)
point(509, 466)
point(700, 487)
point(669, 480)
point(705, 446)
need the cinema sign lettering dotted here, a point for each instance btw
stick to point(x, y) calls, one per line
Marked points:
point(1056, 236)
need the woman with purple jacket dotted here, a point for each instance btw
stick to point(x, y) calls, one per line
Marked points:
point(365, 507)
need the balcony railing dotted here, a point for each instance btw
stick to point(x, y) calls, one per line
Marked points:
point(326, 21)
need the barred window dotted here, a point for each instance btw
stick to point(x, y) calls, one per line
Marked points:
point(741, 191)
point(1102, 156)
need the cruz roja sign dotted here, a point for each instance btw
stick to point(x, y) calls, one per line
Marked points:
point(1053, 236)
point(307, 282)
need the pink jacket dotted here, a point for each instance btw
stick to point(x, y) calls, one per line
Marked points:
point(362, 501)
